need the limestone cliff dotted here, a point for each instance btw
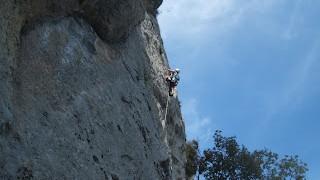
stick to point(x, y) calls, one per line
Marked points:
point(82, 94)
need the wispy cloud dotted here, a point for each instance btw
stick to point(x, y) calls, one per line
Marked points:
point(187, 18)
point(296, 89)
point(289, 31)
point(303, 72)
point(194, 19)
point(198, 126)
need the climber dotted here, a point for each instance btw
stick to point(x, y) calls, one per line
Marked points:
point(173, 79)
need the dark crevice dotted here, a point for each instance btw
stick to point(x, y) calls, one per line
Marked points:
point(95, 158)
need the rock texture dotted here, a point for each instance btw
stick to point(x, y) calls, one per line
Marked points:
point(82, 94)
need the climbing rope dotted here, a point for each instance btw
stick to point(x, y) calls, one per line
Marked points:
point(165, 116)
point(166, 137)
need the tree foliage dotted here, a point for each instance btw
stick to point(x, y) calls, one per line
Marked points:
point(229, 160)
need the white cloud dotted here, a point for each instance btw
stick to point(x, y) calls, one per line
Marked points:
point(185, 18)
point(197, 127)
point(194, 19)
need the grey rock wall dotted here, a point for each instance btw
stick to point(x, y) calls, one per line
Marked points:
point(83, 94)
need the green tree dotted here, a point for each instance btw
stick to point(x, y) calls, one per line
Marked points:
point(292, 168)
point(268, 162)
point(228, 160)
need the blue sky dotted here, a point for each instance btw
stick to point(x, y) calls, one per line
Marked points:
point(250, 69)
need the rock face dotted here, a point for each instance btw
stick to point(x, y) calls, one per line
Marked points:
point(82, 94)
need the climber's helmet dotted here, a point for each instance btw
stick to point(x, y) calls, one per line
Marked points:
point(178, 71)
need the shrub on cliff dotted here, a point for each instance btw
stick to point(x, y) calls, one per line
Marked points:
point(192, 153)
